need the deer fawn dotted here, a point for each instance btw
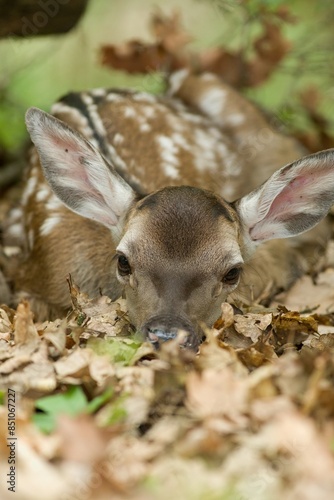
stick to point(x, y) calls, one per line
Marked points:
point(146, 180)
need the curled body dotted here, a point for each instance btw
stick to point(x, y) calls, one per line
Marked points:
point(166, 200)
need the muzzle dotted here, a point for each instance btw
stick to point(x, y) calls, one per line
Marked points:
point(167, 327)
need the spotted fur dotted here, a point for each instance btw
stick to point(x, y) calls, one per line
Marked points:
point(110, 149)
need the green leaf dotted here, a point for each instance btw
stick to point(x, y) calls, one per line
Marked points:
point(114, 411)
point(118, 350)
point(2, 397)
point(117, 412)
point(45, 422)
point(72, 402)
point(99, 401)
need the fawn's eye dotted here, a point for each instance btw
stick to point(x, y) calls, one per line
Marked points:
point(123, 265)
point(232, 276)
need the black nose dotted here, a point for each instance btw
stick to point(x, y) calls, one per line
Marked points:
point(162, 328)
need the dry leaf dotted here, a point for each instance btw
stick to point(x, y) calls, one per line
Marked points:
point(75, 433)
point(252, 325)
point(25, 331)
point(305, 294)
point(217, 393)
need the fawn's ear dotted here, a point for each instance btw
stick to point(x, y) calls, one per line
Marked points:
point(77, 172)
point(292, 200)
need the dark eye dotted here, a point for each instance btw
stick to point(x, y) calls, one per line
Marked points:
point(123, 265)
point(232, 277)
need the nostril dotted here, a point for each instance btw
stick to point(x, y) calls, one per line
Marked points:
point(164, 328)
point(156, 334)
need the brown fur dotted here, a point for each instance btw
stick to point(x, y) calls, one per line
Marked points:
point(243, 152)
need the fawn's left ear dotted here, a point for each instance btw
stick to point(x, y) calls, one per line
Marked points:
point(292, 200)
point(76, 171)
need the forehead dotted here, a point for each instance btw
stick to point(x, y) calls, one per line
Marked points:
point(180, 223)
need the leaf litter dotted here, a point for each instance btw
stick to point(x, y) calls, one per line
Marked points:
point(101, 415)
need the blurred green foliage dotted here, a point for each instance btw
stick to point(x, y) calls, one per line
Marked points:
point(119, 350)
point(37, 71)
point(72, 402)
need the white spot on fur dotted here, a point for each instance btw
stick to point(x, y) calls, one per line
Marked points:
point(208, 77)
point(15, 214)
point(145, 127)
point(169, 151)
point(43, 192)
point(16, 230)
point(228, 192)
point(176, 80)
point(115, 159)
point(232, 166)
point(34, 158)
point(212, 102)
point(54, 203)
point(192, 117)
point(11, 251)
point(113, 97)
point(92, 109)
point(143, 97)
point(129, 112)
point(148, 111)
point(206, 144)
point(29, 189)
point(181, 141)
point(35, 169)
point(234, 120)
point(176, 123)
point(118, 139)
point(171, 171)
point(60, 107)
point(98, 92)
point(76, 116)
point(49, 224)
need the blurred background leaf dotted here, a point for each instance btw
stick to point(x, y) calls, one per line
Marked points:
point(36, 71)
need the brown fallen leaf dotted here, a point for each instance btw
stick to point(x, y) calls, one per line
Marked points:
point(168, 52)
point(55, 333)
point(252, 325)
point(138, 57)
point(226, 319)
point(217, 393)
point(319, 136)
point(72, 368)
point(6, 325)
point(289, 327)
point(35, 378)
point(165, 54)
point(323, 342)
point(13, 363)
point(168, 30)
point(306, 294)
point(74, 434)
point(256, 355)
point(24, 329)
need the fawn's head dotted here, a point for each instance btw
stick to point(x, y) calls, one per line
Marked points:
point(179, 250)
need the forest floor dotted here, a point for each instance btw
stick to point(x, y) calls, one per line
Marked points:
point(90, 412)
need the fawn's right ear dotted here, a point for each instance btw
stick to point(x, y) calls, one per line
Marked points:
point(77, 172)
point(293, 200)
